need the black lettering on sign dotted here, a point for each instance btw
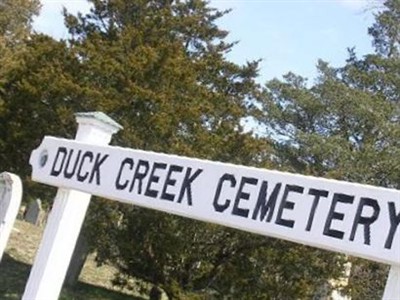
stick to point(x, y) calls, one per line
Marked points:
point(285, 204)
point(221, 207)
point(139, 175)
point(366, 221)
point(96, 168)
point(82, 177)
point(154, 179)
point(317, 195)
point(71, 165)
point(186, 188)
point(394, 224)
point(69, 174)
point(266, 206)
point(126, 162)
point(243, 195)
point(334, 215)
point(57, 168)
point(170, 182)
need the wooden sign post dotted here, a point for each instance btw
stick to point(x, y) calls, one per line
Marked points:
point(392, 289)
point(355, 219)
point(66, 217)
point(10, 200)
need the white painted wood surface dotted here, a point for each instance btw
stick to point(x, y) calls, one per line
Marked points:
point(392, 288)
point(65, 219)
point(355, 219)
point(10, 201)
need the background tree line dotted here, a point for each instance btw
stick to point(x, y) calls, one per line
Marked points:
point(158, 67)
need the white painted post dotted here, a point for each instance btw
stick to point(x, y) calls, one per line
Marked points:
point(66, 217)
point(392, 289)
point(10, 200)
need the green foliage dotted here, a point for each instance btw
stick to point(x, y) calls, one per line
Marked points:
point(40, 98)
point(386, 30)
point(159, 68)
point(367, 279)
point(190, 259)
point(15, 26)
point(333, 129)
point(15, 29)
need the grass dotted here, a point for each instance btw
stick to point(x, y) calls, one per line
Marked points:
point(94, 282)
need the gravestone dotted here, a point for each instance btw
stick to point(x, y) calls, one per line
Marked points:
point(35, 214)
point(10, 200)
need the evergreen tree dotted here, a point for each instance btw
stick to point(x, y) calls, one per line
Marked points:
point(39, 99)
point(159, 68)
point(15, 28)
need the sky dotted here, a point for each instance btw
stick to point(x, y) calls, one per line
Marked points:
point(288, 35)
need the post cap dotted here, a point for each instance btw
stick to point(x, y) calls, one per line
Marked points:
point(97, 118)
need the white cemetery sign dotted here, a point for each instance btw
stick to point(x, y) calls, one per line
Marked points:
point(10, 200)
point(356, 219)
